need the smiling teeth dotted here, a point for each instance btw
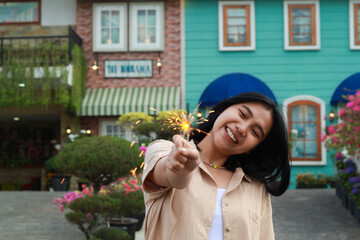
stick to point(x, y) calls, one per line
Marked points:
point(231, 135)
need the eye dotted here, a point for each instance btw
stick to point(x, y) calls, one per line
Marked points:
point(255, 133)
point(242, 114)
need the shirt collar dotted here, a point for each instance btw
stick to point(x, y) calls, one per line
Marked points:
point(241, 173)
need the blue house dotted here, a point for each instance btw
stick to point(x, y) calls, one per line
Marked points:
point(297, 52)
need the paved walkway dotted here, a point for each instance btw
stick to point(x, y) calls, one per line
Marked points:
point(298, 215)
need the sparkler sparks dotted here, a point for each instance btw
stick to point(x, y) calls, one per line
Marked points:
point(184, 122)
point(132, 143)
point(62, 180)
point(133, 172)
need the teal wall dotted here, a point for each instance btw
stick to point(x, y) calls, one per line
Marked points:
point(287, 73)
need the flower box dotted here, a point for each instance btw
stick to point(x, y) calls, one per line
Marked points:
point(344, 197)
point(356, 212)
point(338, 189)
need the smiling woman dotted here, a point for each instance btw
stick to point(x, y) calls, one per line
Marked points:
point(238, 156)
point(239, 129)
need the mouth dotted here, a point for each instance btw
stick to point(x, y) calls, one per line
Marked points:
point(231, 135)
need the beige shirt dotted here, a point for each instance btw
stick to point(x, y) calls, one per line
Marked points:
point(187, 214)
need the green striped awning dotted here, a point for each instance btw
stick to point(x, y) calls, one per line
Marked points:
point(117, 101)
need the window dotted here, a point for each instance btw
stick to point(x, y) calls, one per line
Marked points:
point(109, 27)
point(354, 14)
point(301, 25)
point(236, 26)
point(147, 26)
point(109, 127)
point(20, 12)
point(305, 122)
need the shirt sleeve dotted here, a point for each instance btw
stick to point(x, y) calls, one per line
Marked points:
point(266, 222)
point(155, 151)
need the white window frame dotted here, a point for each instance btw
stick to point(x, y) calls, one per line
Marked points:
point(319, 101)
point(159, 43)
point(112, 121)
point(353, 46)
point(97, 45)
point(252, 46)
point(287, 45)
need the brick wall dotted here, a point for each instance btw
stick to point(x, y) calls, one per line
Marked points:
point(91, 123)
point(170, 70)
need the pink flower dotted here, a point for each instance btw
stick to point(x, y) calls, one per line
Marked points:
point(351, 98)
point(342, 112)
point(334, 139)
point(339, 155)
point(55, 201)
point(349, 104)
point(133, 181)
point(324, 137)
point(143, 149)
point(331, 129)
point(89, 216)
point(128, 188)
point(356, 108)
point(61, 207)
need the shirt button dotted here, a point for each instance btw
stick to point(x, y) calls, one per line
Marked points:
point(227, 229)
point(225, 203)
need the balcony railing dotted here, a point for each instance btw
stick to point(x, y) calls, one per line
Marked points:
point(39, 50)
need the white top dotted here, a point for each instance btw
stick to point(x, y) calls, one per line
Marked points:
point(216, 230)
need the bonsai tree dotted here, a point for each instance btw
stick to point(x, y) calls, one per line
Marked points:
point(100, 159)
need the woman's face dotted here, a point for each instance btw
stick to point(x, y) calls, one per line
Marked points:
point(241, 127)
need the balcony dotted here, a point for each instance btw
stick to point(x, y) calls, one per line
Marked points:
point(39, 50)
point(42, 71)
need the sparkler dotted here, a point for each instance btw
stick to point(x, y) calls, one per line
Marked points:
point(177, 119)
point(62, 180)
point(185, 122)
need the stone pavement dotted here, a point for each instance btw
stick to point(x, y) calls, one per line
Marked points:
point(298, 214)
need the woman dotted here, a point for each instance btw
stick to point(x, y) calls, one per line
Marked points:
point(218, 185)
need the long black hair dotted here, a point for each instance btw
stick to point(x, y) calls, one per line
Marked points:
point(268, 161)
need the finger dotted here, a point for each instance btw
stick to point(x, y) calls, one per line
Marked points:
point(187, 144)
point(189, 153)
point(177, 139)
point(175, 166)
point(177, 156)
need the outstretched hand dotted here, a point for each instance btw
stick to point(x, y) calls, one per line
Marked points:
point(183, 158)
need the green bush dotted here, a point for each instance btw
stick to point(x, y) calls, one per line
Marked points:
point(100, 159)
point(49, 165)
point(112, 234)
point(11, 186)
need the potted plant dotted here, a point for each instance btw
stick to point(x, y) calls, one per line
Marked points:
point(100, 160)
point(131, 184)
point(54, 178)
point(309, 180)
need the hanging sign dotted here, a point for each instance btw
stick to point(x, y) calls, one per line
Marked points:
point(128, 68)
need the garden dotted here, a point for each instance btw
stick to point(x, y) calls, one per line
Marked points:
point(109, 203)
point(343, 138)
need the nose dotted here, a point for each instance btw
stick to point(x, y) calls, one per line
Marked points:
point(241, 129)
